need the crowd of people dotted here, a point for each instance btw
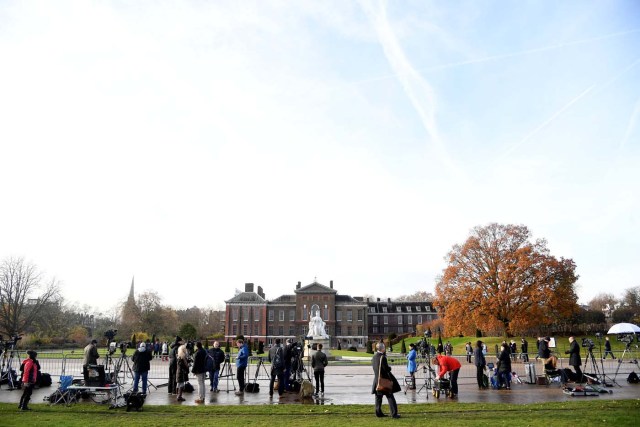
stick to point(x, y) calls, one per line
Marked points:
point(192, 358)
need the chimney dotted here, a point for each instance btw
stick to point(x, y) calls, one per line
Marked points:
point(298, 285)
point(331, 284)
point(248, 287)
point(260, 291)
point(378, 299)
point(389, 300)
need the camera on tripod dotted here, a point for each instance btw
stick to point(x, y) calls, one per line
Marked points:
point(625, 338)
point(588, 343)
point(10, 343)
point(110, 334)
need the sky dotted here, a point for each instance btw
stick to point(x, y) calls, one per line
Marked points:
point(198, 146)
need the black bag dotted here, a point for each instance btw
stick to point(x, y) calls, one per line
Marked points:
point(188, 388)
point(278, 360)
point(485, 380)
point(633, 378)
point(252, 388)
point(45, 380)
point(134, 400)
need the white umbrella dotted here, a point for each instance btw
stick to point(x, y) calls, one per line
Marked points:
point(624, 328)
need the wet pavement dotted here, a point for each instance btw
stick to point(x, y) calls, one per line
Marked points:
point(351, 384)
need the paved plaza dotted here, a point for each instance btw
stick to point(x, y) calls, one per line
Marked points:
point(351, 384)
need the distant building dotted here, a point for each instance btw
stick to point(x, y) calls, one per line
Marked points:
point(399, 317)
point(350, 321)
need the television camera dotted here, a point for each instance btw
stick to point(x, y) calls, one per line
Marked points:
point(11, 343)
point(588, 343)
point(625, 338)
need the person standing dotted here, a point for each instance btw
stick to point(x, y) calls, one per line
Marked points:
point(241, 364)
point(276, 357)
point(141, 364)
point(29, 379)
point(199, 369)
point(287, 362)
point(381, 368)
point(574, 357)
point(504, 366)
point(215, 359)
point(165, 351)
point(607, 348)
point(318, 363)
point(91, 355)
point(173, 364)
point(481, 364)
point(448, 364)
point(469, 350)
point(513, 349)
point(543, 348)
point(412, 366)
point(524, 350)
point(182, 370)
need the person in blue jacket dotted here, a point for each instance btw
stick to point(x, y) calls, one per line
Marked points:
point(412, 367)
point(241, 364)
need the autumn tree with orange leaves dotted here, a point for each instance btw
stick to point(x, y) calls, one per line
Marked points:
point(500, 280)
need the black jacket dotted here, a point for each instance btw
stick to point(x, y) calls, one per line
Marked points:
point(215, 359)
point(478, 358)
point(199, 361)
point(504, 361)
point(142, 361)
point(574, 352)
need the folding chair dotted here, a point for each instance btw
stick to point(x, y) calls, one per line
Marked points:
point(63, 394)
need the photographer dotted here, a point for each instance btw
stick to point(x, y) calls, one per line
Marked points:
point(448, 364)
point(91, 355)
point(141, 364)
point(241, 364)
point(412, 366)
point(574, 358)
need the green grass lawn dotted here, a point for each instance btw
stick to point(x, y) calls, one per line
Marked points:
point(575, 413)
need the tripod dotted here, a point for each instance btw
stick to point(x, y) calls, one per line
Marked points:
point(227, 371)
point(258, 366)
point(621, 358)
point(6, 371)
point(599, 376)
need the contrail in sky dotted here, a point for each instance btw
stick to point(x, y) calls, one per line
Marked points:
point(506, 55)
point(418, 90)
point(566, 107)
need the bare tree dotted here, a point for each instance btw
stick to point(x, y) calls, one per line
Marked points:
point(23, 294)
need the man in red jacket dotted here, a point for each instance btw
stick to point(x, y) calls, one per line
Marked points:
point(448, 364)
point(29, 378)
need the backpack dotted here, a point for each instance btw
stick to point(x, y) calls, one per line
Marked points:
point(633, 378)
point(278, 360)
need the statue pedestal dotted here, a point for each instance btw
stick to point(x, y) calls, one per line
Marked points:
point(311, 346)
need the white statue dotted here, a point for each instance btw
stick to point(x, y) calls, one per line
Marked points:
point(317, 325)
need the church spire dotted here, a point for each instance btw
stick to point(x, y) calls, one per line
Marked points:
point(131, 294)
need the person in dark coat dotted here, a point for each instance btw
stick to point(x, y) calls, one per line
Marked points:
point(524, 350)
point(200, 369)
point(215, 360)
point(141, 364)
point(481, 364)
point(276, 357)
point(382, 368)
point(173, 364)
point(574, 357)
point(607, 348)
point(504, 366)
point(318, 363)
point(543, 348)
